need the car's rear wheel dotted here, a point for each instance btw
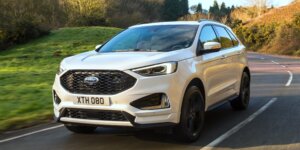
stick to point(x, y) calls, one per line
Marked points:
point(80, 129)
point(242, 101)
point(192, 115)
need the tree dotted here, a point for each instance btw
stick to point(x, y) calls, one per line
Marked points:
point(214, 11)
point(174, 9)
point(232, 8)
point(220, 12)
point(85, 12)
point(194, 8)
point(260, 4)
point(199, 8)
point(124, 13)
point(183, 8)
point(170, 9)
point(22, 20)
point(223, 10)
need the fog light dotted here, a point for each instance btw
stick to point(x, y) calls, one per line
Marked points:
point(154, 101)
point(56, 98)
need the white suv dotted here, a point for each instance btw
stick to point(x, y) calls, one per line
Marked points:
point(153, 75)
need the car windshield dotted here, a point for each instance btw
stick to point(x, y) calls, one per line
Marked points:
point(161, 38)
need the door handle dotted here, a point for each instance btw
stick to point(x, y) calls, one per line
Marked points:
point(240, 52)
point(223, 56)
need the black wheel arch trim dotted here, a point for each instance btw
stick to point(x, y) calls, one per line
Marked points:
point(247, 70)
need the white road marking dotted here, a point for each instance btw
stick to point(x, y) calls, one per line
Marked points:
point(236, 128)
point(262, 58)
point(30, 133)
point(290, 73)
point(275, 62)
point(290, 79)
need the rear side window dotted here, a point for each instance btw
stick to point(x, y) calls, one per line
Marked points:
point(234, 40)
point(224, 37)
point(208, 35)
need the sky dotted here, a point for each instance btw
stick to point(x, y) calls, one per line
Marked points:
point(207, 3)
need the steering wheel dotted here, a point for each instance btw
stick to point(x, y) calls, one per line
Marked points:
point(180, 45)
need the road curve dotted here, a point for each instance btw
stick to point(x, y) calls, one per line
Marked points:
point(271, 122)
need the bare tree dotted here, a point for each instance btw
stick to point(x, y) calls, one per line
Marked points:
point(261, 5)
point(224, 19)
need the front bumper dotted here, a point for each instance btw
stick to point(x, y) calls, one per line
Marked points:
point(120, 102)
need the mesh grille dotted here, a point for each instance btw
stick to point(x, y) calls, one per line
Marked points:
point(94, 114)
point(110, 82)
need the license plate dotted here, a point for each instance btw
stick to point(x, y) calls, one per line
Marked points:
point(87, 100)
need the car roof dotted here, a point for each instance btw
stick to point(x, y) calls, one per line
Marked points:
point(204, 21)
point(167, 23)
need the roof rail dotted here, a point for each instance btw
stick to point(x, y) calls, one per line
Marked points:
point(207, 20)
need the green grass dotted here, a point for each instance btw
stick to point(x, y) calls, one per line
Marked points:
point(27, 72)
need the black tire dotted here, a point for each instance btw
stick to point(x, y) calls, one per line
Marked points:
point(192, 115)
point(80, 129)
point(242, 101)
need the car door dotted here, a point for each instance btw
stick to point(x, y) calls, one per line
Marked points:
point(212, 67)
point(228, 53)
point(238, 57)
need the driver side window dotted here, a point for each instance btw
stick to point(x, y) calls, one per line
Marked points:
point(208, 35)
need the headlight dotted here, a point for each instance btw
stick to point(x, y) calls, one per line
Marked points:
point(156, 70)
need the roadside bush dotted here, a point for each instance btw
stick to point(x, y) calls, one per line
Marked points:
point(296, 19)
point(255, 37)
point(2, 38)
point(272, 38)
point(25, 29)
point(275, 39)
point(235, 23)
point(21, 31)
point(286, 41)
point(22, 20)
point(297, 53)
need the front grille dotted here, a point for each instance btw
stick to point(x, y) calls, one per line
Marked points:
point(94, 114)
point(110, 82)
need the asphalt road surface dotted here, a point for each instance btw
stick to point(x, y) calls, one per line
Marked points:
point(271, 122)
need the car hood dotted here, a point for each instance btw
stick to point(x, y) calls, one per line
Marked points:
point(122, 60)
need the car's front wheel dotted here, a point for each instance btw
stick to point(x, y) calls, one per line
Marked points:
point(192, 115)
point(242, 101)
point(80, 129)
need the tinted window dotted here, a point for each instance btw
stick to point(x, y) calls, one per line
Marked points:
point(208, 35)
point(234, 40)
point(152, 38)
point(224, 37)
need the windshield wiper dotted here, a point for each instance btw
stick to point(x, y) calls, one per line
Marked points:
point(136, 50)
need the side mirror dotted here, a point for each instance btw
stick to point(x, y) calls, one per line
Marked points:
point(209, 47)
point(98, 46)
point(212, 46)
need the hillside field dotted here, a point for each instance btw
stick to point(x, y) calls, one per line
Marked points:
point(279, 15)
point(277, 31)
point(27, 72)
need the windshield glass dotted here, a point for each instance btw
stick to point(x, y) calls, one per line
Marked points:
point(162, 38)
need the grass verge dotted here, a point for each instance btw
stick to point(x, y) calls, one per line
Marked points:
point(27, 72)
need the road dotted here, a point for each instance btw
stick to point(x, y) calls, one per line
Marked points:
point(271, 122)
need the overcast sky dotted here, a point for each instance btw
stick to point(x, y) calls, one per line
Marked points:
point(207, 3)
